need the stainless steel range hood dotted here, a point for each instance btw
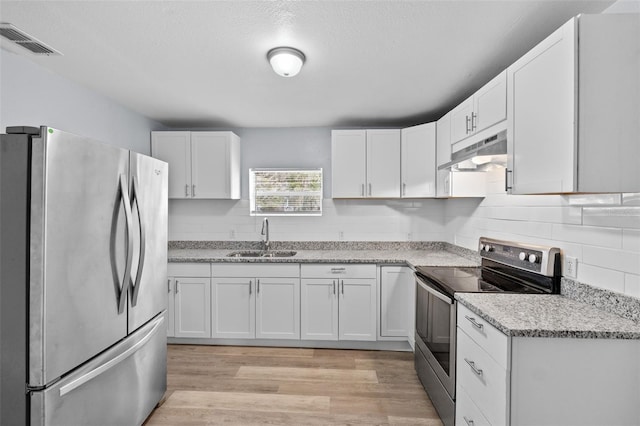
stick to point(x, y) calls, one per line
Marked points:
point(480, 155)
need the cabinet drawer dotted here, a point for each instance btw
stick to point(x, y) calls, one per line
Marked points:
point(484, 381)
point(256, 270)
point(492, 340)
point(468, 413)
point(339, 270)
point(189, 269)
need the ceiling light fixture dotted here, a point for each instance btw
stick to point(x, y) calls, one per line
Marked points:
point(286, 61)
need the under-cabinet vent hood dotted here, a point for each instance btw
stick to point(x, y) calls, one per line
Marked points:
point(480, 156)
point(19, 37)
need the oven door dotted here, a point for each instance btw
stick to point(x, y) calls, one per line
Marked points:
point(436, 332)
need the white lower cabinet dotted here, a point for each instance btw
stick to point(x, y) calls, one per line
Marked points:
point(189, 292)
point(233, 308)
point(319, 309)
point(543, 381)
point(338, 302)
point(255, 301)
point(397, 302)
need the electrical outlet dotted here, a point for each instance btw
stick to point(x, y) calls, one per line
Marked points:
point(570, 267)
point(409, 236)
point(341, 235)
point(232, 234)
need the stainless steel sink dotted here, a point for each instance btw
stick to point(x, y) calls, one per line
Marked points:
point(279, 254)
point(245, 254)
point(249, 253)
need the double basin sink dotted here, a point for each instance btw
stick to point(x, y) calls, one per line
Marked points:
point(261, 253)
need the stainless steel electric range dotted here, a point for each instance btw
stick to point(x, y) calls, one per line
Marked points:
point(505, 267)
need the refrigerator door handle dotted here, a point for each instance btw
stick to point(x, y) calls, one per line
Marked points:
point(135, 287)
point(127, 269)
point(112, 362)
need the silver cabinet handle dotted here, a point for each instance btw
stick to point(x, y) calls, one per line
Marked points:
point(363, 189)
point(334, 286)
point(468, 421)
point(338, 270)
point(186, 190)
point(169, 286)
point(473, 367)
point(177, 287)
point(466, 127)
point(257, 286)
point(369, 190)
point(474, 322)
point(193, 190)
point(135, 286)
point(343, 287)
point(474, 119)
point(404, 189)
point(126, 203)
point(506, 180)
point(250, 282)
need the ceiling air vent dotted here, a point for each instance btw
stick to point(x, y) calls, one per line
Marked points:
point(23, 39)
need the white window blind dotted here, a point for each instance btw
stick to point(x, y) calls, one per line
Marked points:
point(285, 192)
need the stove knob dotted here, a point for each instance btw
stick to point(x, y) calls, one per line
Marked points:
point(533, 258)
point(482, 246)
point(522, 255)
point(489, 248)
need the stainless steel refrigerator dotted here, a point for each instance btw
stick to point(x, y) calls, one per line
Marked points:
point(83, 270)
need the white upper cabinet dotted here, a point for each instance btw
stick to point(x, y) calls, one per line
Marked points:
point(348, 163)
point(488, 106)
point(365, 163)
point(383, 163)
point(201, 164)
point(418, 168)
point(573, 109)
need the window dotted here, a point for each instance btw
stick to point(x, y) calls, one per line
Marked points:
point(285, 192)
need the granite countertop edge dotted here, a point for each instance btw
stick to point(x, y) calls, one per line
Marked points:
point(434, 254)
point(554, 316)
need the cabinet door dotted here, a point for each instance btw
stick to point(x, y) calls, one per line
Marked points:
point(233, 308)
point(278, 308)
point(418, 166)
point(542, 116)
point(490, 103)
point(357, 309)
point(397, 301)
point(175, 149)
point(461, 120)
point(348, 163)
point(319, 309)
point(443, 154)
point(171, 282)
point(383, 163)
point(192, 307)
point(210, 164)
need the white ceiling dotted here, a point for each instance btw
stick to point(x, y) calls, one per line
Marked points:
point(369, 63)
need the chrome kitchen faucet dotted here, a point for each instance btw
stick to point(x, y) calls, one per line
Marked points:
point(265, 232)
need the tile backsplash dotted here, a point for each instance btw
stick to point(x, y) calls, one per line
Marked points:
point(601, 231)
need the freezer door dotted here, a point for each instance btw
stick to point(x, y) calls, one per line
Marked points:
point(78, 239)
point(120, 387)
point(148, 284)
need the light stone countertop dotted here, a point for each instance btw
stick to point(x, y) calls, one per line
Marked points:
point(537, 315)
point(424, 257)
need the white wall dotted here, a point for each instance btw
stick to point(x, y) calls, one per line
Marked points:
point(601, 231)
point(31, 95)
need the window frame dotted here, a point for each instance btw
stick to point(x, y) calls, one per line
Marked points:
point(319, 193)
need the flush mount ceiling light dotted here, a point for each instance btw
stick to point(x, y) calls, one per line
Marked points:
point(286, 61)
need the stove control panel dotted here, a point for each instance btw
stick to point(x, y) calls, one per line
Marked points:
point(538, 259)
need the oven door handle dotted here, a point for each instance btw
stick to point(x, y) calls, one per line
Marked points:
point(434, 292)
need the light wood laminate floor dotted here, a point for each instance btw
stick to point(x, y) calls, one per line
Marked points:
point(290, 386)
